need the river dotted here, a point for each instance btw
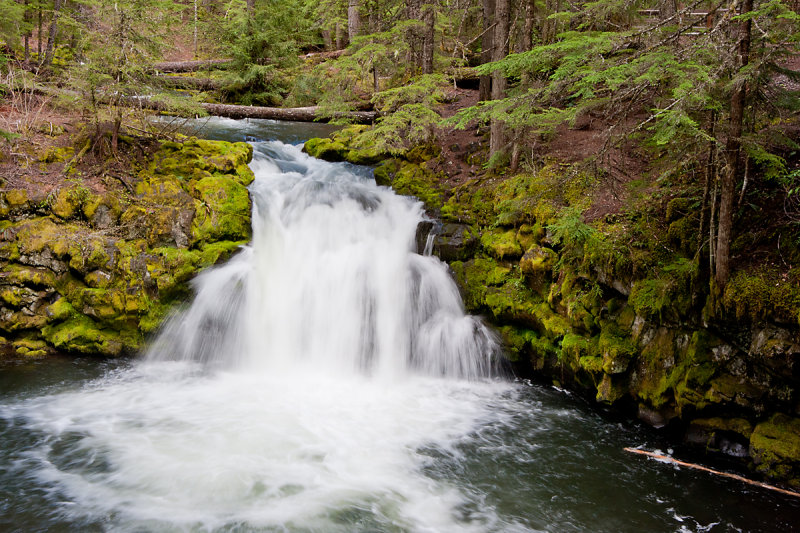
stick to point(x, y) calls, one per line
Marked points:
point(326, 379)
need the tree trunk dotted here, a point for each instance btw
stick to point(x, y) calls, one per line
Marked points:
point(191, 66)
point(353, 19)
point(340, 40)
point(195, 29)
point(526, 43)
point(26, 17)
point(301, 114)
point(51, 38)
point(327, 38)
point(499, 82)
point(429, 17)
point(487, 45)
point(732, 152)
point(413, 35)
point(39, 34)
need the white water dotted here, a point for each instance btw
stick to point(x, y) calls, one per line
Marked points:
point(331, 283)
point(304, 389)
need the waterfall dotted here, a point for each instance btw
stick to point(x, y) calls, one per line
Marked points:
point(331, 282)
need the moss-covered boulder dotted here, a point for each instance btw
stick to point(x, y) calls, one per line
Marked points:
point(93, 273)
point(775, 448)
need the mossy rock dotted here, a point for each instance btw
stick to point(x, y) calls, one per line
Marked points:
point(611, 389)
point(501, 244)
point(764, 293)
point(103, 211)
point(775, 448)
point(415, 180)
point(57, 154)
point(326, 149)
point(69, 201)
point(455, 242)
point(84, 335)
point(537, 263)
point(740, 426)
point(30, 348)
point(222, 211)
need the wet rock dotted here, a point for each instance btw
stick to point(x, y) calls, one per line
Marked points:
point(423, 233)
point(454, 242)
point(775, 448)
point(537, 264)
point(729, 436)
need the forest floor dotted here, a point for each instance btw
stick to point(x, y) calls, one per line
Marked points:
point(50, 139)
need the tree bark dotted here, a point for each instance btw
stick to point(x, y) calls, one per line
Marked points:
point(732, 155)
point(190, 66)
point(429, 18)
point(526, 42)
point(353, 19)
point(39, 33)
point(51, 38)
point(188, 82)
point(414, 12)
point(25, 18)
point(487, 44)
point(499, 82)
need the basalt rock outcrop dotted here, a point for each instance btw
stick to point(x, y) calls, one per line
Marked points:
point(94, 273)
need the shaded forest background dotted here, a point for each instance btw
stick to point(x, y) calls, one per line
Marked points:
point(658, 100)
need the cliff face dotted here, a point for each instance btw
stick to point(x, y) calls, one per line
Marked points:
point(616, 308)
point(89, 273)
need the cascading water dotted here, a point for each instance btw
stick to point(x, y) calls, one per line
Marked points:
point(326, 379)
point(330, 284)
point(298, 389)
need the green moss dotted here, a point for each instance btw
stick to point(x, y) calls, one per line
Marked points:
point(325, 149)
point(12, 296)
point(222, 211)
point(84, 335)
point(775, 446)
point(196, 159)
point(57, 154)
point(764, 293)
point(25, 275)
point(670, 291)
point(529, 236)
point(471, 203)
point(61, 310)
point(165, 190)
point(69, 201)
point(740, 426)
point(617, 352)
point(30, 348)
point(16, 198)
point(415, 180)
point(611, 389)
point(501, 244)
point(656, 375)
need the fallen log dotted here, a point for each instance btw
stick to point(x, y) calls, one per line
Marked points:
point(668, 459)
point(191, 66)
point(188, 82)
point(297, 114)
point(300, 114)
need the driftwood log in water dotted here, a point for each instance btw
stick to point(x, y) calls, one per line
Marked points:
point(670, 460)
point(191, 66)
